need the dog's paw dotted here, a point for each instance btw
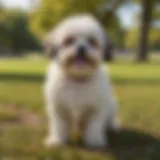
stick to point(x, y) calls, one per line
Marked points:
point(52, 141)
point(96, 142)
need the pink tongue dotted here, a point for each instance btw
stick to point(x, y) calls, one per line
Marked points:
point(80, 62)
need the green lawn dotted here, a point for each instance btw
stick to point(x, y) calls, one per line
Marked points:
point(137, 87)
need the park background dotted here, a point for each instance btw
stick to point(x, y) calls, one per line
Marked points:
point(134, 63)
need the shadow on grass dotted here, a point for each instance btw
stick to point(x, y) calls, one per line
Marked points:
point(20, 77)
point(133, 145)
point(126, 145)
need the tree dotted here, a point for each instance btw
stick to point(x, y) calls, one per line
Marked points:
point(148, 13)
point(132, 36)
point(147, 8)
point(15, 33)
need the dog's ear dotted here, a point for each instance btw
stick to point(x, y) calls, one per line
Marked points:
point(108, 49)
point(49, 46)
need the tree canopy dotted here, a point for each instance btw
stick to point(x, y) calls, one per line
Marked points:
point(14, 31)
point(50, 12)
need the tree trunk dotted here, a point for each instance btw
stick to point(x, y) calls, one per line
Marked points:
point(147, 6)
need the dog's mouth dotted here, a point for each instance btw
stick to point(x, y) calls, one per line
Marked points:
point(80, 68)
point(81, 62)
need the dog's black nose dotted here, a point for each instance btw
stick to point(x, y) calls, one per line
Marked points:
point(81, 51)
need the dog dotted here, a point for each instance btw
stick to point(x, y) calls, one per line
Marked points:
point(77, 86)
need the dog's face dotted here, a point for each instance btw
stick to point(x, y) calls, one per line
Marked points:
point(78, 46)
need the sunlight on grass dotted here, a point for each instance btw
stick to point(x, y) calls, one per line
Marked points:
point(22, 66)
point(7, 115)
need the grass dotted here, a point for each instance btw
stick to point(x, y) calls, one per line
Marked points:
point(7, 115)
point(137, 87)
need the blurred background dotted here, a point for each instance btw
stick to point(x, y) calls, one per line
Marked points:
point(133, 26)
point(134, 61)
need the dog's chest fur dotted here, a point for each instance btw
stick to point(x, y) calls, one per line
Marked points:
point(73, 96)
point(80, 96)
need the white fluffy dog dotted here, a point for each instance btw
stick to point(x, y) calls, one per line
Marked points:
point(77, 87)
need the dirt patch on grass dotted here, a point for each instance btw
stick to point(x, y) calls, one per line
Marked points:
point(13, 116)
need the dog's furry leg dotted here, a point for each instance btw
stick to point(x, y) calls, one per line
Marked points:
point(113, 122)
point(57, 128)
point(94, 135)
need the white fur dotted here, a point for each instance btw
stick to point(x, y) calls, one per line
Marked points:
point(75, 98)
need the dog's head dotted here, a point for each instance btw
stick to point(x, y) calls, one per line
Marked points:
point(77, 45)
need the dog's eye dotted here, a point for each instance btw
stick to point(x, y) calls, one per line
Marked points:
point(93, 41)
point(68, 41)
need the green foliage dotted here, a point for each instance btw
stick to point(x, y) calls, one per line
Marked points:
point(14, 31)
point(132, 39)
point(156, 14)
point(154, 38)
point(50, 12)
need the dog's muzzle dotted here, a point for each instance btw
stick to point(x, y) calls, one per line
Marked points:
point(81, 58)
